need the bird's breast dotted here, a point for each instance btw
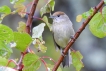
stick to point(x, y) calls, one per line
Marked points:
point(62, 34)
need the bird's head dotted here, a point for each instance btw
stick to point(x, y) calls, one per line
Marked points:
point(59, 16)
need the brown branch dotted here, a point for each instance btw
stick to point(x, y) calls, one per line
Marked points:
point(30, 16)
point(77, 35)
point(28, 28)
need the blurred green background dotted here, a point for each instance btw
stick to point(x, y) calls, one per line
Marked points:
point(92, 48)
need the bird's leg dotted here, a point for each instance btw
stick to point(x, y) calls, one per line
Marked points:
point(62, 52)
point(72, 36)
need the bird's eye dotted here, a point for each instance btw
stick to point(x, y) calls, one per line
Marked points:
point(58, 15)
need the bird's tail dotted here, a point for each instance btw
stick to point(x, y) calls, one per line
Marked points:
point(67, 60)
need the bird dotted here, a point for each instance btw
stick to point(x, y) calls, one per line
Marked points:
point(62, 29)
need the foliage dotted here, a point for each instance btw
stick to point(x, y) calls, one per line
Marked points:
point(48, 7)
point(50, 67)
point(37, 37)
point(23, 40)
point(77, 60)
point(97, 24)
point(20, 39)
point(31, 62)
point(4, 62)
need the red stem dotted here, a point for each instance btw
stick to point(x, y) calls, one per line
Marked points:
point(20, 65)
point(48, 58)
point(44, 63)
point(11, 60)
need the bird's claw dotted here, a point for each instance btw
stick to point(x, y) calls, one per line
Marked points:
point(72, 37)
point(63, 54)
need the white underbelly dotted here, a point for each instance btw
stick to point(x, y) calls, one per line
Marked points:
point(62, 34)
point(62, 40)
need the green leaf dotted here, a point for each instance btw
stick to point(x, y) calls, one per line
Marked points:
point(48, 7)
point(21, 9)
point(105, 1)
point(6, 34)
point(104, 12)
point(2, 17)
point(22, 40)
point(85, 15)
point(39, 45)
point(50, 67)
point(42, 48)
point(31, 62)
point(97, 25)
point(76, 59)
point(5, 9)
point(13, 1)
point(44, 9)
point(22, 27)
point(51, 4)
point(5, 50)
point(11, 64)
point(4, 62)
point(45, 19)
point(37, 35)
point(16, 1)
point(38, 30)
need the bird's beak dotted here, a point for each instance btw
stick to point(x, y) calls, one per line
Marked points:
point(52, 17)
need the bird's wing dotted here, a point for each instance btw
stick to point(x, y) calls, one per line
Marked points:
point(56, 45)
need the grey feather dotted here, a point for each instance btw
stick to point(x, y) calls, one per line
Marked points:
point(56, 45)
point(67, 60)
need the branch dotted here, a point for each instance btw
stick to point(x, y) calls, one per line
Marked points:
point(30, 16)
point(77, 35)
point(28, 28)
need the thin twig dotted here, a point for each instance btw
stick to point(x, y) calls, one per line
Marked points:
point(11, 60)
point(20, 65)
point(48, 58)
point(77, 35)
point(44, 63)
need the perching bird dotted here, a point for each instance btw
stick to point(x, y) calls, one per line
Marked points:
point(63, 31)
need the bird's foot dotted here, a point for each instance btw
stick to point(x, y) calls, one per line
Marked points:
point(72, 37)
point(63, 54)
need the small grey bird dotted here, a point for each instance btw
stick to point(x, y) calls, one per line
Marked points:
point(63, 31)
